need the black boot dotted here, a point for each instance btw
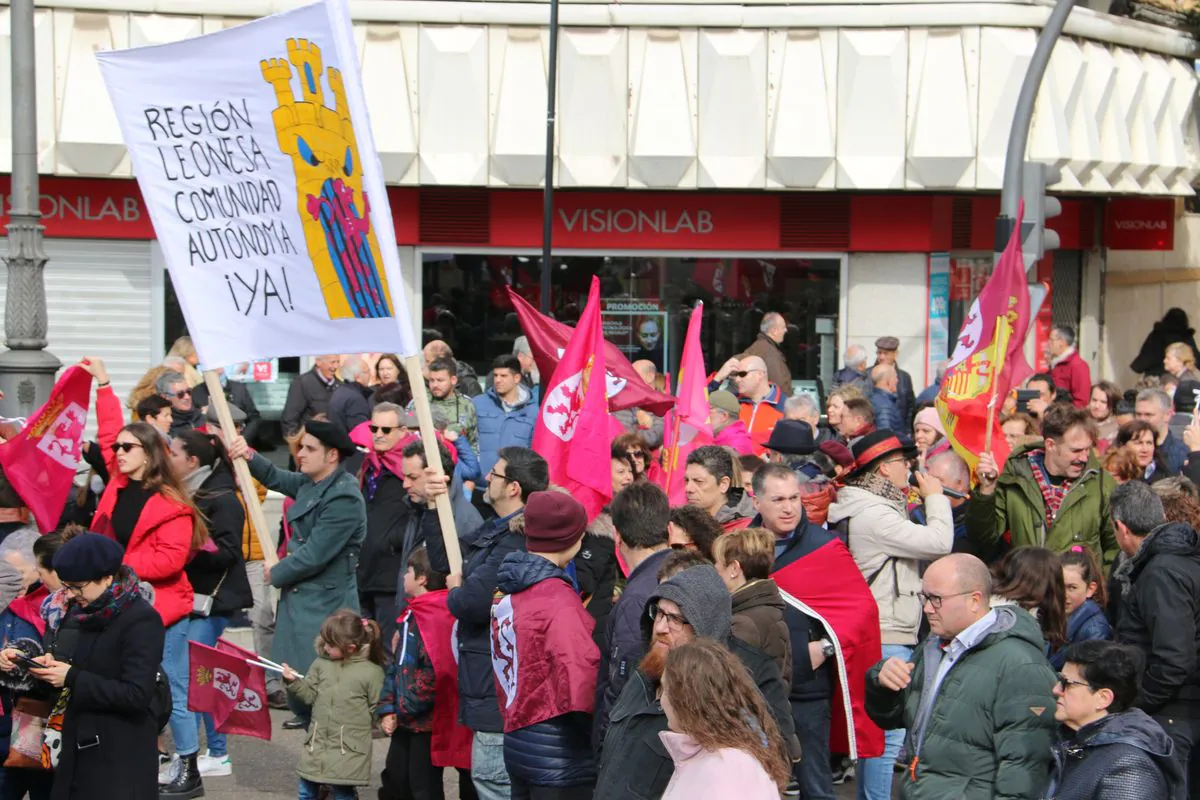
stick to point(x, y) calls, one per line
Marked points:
point(187, 783)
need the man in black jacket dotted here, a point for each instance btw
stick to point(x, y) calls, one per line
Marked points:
point(309, 394)
point(350, 403)
point(382, 482)
point(691, 604)
point(236, 394)
point(517, 473)
point(185, 416)
point(1160, 612)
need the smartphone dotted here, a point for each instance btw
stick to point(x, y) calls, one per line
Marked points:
point(1023, 398)
point(26, 661)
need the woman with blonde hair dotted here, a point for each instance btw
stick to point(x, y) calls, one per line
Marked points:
point(1180, 361)
point(183, 348)
point(144, 388)
point(743, 560)
point(836, 404)
point(721, 737)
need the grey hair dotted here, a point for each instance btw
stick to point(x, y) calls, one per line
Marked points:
point(882, 373)
point(177, 363)
point(20, 542)
point(1136, 506)
point(351, 368)
point(381, 408)
point(856, 356)
point(1067, 333)
point(167, 380)
point(521, 345)
point(1157, 395)
point(802, 403)
point(956, 467)
point(770, 320)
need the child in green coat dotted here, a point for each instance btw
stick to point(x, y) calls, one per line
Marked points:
point(342, 686)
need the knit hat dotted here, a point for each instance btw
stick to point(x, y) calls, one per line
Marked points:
point(929, 416)
point(88, 557)
point(837, 451)
point(553, 522)
point(726, 401)
point(703, 601)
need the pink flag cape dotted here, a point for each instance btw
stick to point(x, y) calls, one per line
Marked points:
point(687, 425)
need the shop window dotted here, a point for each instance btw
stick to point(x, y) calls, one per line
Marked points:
point(646, 302)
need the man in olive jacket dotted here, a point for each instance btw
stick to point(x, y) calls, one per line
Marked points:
point(977, 699)
point(1051, 493)
point(328, 524)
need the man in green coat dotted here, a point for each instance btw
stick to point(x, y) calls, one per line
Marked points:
point(976, 700)
point(328, 523)
point(1051, 493)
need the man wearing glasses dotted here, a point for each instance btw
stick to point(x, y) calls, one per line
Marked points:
point(977, 699)
point(185, 416)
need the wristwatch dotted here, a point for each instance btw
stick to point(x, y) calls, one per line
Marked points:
point(827, 649)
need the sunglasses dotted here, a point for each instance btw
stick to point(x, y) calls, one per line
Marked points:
point(125, 447)
point(1065, 683)
point(384, 429)
point(182, 393)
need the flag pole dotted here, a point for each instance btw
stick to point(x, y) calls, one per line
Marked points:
point(416, 380)
point(241, 469)
point(1001, 344)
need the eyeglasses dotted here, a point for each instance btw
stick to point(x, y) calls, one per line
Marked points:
point(125, 447)
point(674, 621)
point(494, 474)
point(384, 429)
point(75, 588)
point(638, 454)
point(936, 600)
point(182, 393)
point(1065, 683)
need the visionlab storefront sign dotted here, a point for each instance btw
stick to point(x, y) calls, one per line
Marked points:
point(1140, 223)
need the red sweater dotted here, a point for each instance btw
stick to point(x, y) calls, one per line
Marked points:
point(161, 543)
point(1074, 375)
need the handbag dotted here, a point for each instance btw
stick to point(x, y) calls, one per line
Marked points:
point(29, 717)
point(202, 603)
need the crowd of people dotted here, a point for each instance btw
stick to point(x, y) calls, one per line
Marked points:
point(1031, 630)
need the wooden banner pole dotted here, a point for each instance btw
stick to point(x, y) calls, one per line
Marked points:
point(241, 470)
point(416, 380)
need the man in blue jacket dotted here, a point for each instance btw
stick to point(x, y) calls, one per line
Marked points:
point(506, 412)
point(517, 473)
point(884, 401)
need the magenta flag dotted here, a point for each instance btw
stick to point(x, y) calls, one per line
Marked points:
point(573, 430)
point(40, 462)
point(687, 425)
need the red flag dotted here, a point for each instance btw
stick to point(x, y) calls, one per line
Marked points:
point(687, 425)
point(572, 431)
point(827, 585)
point(450, 745)
point(989, 359)
point(221, 683)
point(41, 460)
point(548, 340)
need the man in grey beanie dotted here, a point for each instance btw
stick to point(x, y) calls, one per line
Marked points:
point(694, 603)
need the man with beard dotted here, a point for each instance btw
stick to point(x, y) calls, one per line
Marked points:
point(693, 603)
point(517, 473)
point(708, 484)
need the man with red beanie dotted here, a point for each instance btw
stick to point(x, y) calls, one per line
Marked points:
point(544, 657)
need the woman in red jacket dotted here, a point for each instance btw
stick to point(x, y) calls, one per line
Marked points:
point(145, 508)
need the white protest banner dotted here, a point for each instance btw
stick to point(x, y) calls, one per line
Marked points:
point(254, 155)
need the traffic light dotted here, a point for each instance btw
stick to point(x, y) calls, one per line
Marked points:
point(1036, 238)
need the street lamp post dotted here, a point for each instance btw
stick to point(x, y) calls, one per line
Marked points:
point(26, 370)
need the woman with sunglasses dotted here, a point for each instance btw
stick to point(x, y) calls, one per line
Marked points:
point(1106, 749)
point(147, 511)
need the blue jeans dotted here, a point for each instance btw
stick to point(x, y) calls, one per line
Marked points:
point(488, 772)
point(175, 667)
point(875, 775)
point(309, 790)
point(206, 631)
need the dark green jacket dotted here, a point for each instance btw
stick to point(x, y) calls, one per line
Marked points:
point(1017, 507)
point(318, 576)
point(343, 695)
point(991, 723)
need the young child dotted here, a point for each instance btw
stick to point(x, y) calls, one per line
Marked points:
point(544, 657)
point(342, 686)
point(722, 738)
point(1085, 600)
point(419, 705)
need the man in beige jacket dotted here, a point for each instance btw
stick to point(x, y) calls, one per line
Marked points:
point(889, 549)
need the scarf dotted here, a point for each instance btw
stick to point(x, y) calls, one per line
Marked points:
point(1052, 495)
point(96, 615)
point(194, 481)
point(880, 486)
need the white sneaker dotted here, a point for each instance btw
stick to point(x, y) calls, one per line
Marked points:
point(170, 769)
point(214, 766)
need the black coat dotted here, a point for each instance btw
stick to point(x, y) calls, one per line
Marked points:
point(596, 570)
point(184, 421)
point(308, 396)
point(1173, 327)
point(225, 518)
point(1125, 755)
point(237, 394)
point(109, 738)
point(382, 558)
point(1160, 615)
point(350, 406)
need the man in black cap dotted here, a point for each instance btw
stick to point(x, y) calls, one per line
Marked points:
point(237, 393)
point(328, 523)
point(885, 353)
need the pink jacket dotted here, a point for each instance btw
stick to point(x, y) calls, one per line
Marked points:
point(706, 775)
point(736, 436)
